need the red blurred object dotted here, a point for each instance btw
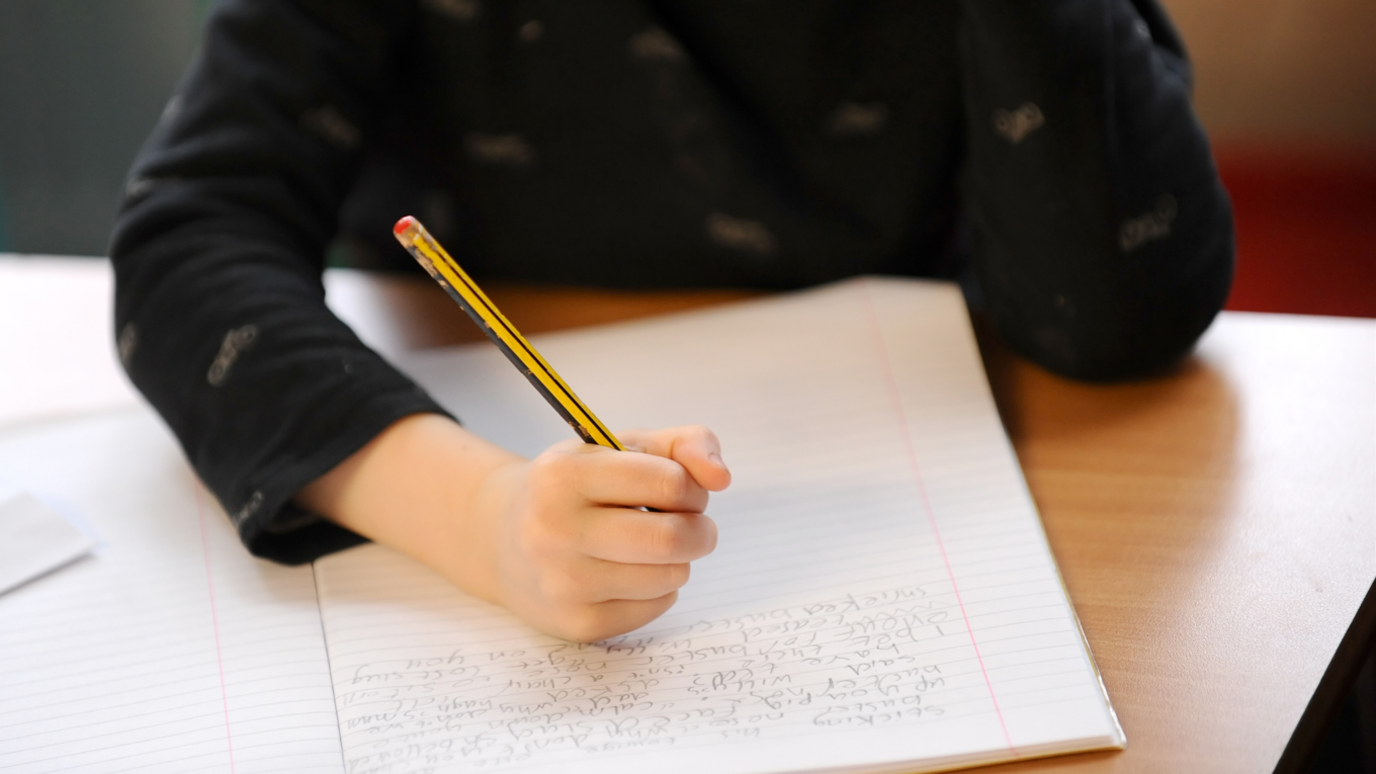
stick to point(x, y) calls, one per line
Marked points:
point(1306, 230)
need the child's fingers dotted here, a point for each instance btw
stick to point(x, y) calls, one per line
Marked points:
point(630, 479)
point(637, 537)
point(693, 446)
point(595, 580)
point(589, 623)
point(585, 569)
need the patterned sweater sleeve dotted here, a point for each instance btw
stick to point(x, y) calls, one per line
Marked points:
point(1103, 238)
point(218, 253)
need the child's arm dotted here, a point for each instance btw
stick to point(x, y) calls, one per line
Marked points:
point(218, 250)
point(558, 539)
point(1102, 234)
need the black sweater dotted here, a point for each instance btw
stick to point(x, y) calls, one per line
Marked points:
point(645, 143)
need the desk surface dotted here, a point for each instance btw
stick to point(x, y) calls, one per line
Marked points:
point(1215, 526)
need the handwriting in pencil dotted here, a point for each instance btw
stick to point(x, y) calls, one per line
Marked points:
point(839, 663)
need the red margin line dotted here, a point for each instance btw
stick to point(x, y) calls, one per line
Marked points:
point(891, 384)
point(215, 624)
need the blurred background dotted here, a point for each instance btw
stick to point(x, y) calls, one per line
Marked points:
point(82, 82)
point(1286, 88)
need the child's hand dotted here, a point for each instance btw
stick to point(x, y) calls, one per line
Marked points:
point(573, 555)
point(558, 540)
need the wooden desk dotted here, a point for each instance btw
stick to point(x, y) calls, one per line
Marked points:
point(1216, 526)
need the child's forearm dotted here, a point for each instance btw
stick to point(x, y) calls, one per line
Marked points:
point(415, 488)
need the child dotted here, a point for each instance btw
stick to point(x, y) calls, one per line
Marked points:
point(1047, 144)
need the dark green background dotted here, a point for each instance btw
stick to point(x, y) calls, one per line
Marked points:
point(82, 82)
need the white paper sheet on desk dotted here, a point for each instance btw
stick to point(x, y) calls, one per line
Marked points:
point(882, 597)
point(173, 650)
point(35, 540)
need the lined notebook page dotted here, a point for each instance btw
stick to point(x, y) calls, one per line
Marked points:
point(171, 649)
point(882, 597)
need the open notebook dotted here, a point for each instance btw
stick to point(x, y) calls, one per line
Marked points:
point(882, 597)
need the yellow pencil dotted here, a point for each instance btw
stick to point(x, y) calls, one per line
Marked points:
point(446, 271)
